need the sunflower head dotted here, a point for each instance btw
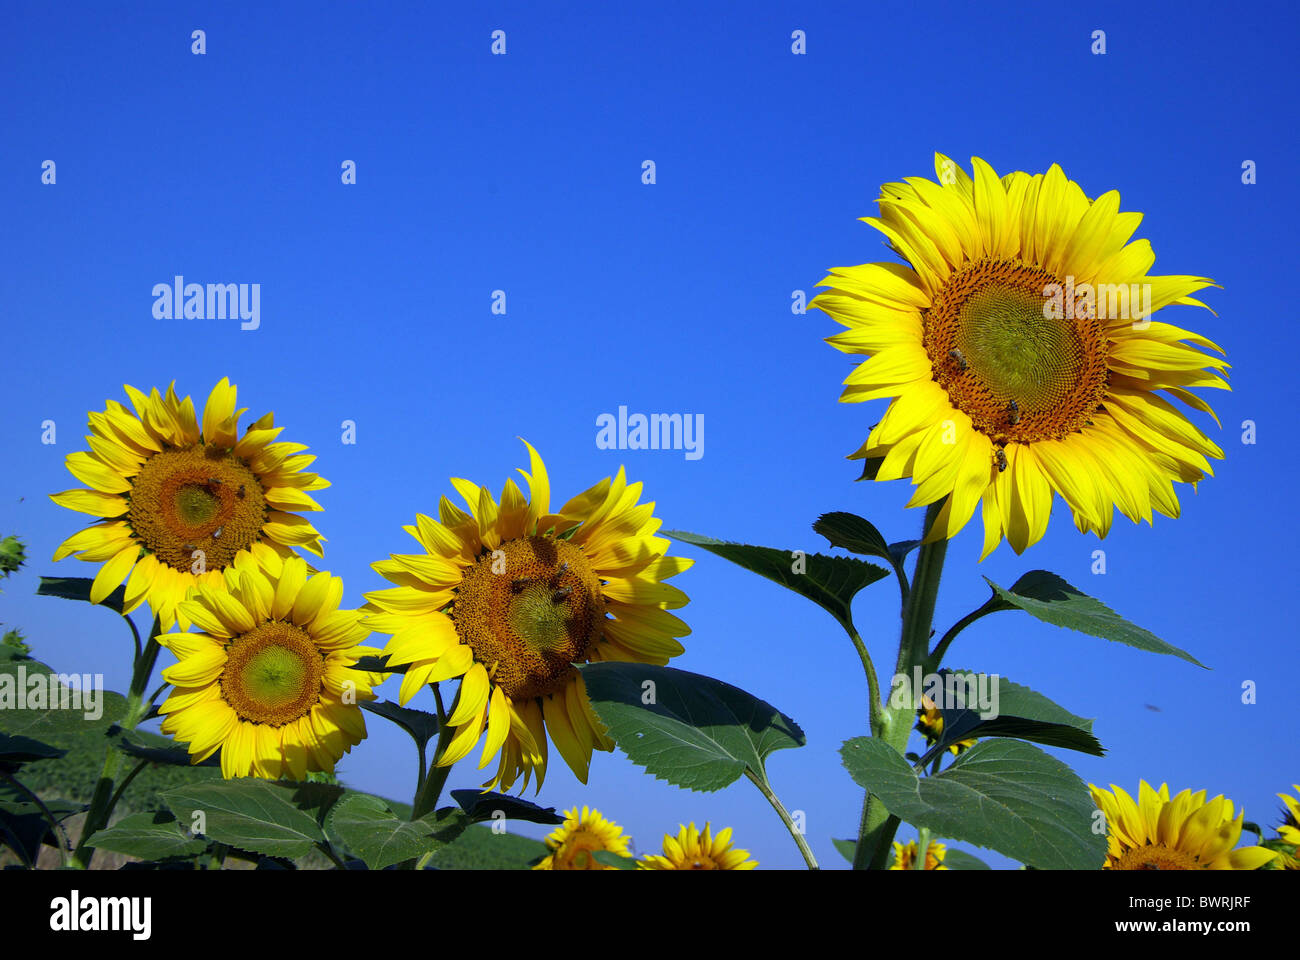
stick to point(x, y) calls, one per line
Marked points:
point(1018, 352)
point(905, 856)
point(179, 499)
point(692, 849)
point(572, 844)
point(269, 681)
point(507, 597)
point(1183, 833)
point(929, 723)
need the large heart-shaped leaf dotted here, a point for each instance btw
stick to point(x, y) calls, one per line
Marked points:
point(150, 836)
point(370, 829)
point(691, 730)
point(830, 582)
point(1006, 795)
point(271, 818)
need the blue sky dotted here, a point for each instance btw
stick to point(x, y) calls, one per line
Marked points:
point(523, 173)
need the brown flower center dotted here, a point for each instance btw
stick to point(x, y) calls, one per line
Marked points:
point(1017, 370)
point(1155, 856)
point(529, 611)
point(198, 503)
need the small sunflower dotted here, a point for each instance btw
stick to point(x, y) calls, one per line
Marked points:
point(693, 850)
point(269, 682)
point(1017, 345)
point(509, 596)
point(179, 500)
point(905, 856)
point(1185, 833)
point(929, 722)
point(1288, 830)
point(573, 842)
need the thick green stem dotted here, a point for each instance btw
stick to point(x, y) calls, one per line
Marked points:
point(426, 798)
point(877, 827)
point(799, 840)
point(105, 797)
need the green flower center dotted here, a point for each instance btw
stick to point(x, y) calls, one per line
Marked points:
point(273, 674)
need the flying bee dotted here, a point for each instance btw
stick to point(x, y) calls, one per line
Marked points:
point(560, 594)
point(1013, 413)
point(215, 481)
point(1002, 459)
point(959, 358)
point(188, 547)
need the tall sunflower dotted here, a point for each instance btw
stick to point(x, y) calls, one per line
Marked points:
point(179, 500)
point(269, 682)
point(692, 849)
point(1017, 345)
point(1185, 833)
point(572, 844)
point(508, 596)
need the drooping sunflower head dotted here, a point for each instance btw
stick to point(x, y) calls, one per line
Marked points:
point(572, 844)
point(179, 499)
point(692, 849)
point(929, 723)
point(905, 856)
point(1185, 833)
point(269, 682)
point(509, 596)
point(1018, 350)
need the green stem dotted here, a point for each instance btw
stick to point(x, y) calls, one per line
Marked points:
point(922, 848)
point(941, 648)
point(426, 798)
point(105, 798)
point(873, 683)
point(877, 826)
point(799, 840)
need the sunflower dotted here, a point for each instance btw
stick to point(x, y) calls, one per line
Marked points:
point(1185, 833)
point(573, 842)
point(929, 722)
point(905, 856)
point(509, 596)
point(1018, 348)
point(269, 682)
point(1288, 830)
point(179, 500)
point(693, 850)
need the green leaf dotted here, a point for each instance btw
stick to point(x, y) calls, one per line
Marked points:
point(144, 745)
point(1047, 597)
point(698, 732)
point(78, 588)
point(830, 582)
point(150, 836)
point(54, 724)
point(378, 665)
point(260, 816)
point(480, 807)
point(19, 749)
point(961, 860)
point(421, 725)
point(375, 834)
point(853, 533)
point(847, 848)
point(1021, 713)
point(1005, 795)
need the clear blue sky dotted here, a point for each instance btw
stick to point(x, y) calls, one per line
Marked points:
point(523, 173)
